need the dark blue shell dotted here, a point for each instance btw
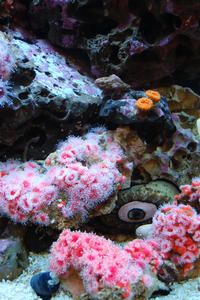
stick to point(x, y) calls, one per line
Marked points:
point(40, 285)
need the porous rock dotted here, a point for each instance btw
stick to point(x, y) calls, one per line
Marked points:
point(176, 159)
point(142, 44)
point(46, 93)
point(185, 103)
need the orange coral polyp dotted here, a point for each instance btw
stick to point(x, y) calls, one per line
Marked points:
point(153, 95)
point(144, 104)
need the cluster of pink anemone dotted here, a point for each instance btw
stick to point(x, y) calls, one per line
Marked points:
point(84, 170)
point(176, 228)
point(24, 192)
point(175, 236)
point(190, 192)
point(87, 170)
point(100, 262)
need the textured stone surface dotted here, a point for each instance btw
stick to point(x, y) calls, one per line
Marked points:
point(149, 38)
point(50, 99)
point(185, 103)
point(53, 97)
point(52, 94)
point(149, 125)
point(46, 91)
point(176, 159)
point(112, 84)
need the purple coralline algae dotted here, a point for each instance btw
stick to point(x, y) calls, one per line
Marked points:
point(43, 83)
point(7, 62)
point(142, 44)
point(52, 71)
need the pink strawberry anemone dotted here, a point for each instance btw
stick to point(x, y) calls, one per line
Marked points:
point(88, 170)
point(174, 237)
point(84, 170)
point(103, 264)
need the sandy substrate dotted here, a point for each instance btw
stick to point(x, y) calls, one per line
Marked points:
point(20, 288)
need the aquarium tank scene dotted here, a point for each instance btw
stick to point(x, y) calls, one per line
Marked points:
point(99, 149)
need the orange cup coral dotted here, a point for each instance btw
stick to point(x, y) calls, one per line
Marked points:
point(153, 95)
point(144, 104)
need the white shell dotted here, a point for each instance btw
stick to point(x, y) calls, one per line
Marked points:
point(198, 126)
point(143, 231)
point(148, 208)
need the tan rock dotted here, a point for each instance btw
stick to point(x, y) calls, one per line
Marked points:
point(112, 83)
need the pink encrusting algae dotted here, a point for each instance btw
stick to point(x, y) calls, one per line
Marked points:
point(84, 168)
point(100, 262)
point(176, 228)
point(6, 60)
point(6, 67)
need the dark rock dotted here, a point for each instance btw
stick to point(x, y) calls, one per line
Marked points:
point(44, 285)
point(48, 97)
point(157, 121)
point(112, 84)
point(38, 238)
point(144, 44)
point(3, 224)
point(160, 292)
point(169, 273)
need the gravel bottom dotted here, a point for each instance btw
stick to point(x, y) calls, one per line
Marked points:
point(20, 289)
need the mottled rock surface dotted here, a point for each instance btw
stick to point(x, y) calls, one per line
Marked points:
point(143, 44)
point(45, 92)
point(13, 258)
point(149, 125)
